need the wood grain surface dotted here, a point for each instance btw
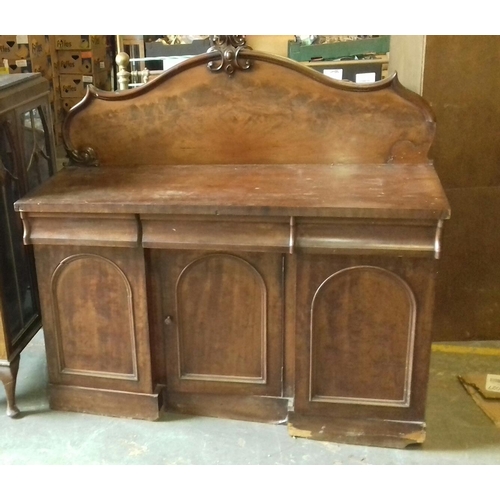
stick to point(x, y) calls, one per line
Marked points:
point(277, 112)
point(401, 191)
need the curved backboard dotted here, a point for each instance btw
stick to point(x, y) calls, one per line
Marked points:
point(276, 111)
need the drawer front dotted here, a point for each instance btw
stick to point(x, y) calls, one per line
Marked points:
point(366, 237)
point(78, 229)
point(235, 234)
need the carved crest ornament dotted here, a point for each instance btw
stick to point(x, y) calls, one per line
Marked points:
point(229, 48)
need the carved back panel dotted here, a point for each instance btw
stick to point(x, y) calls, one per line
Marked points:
point(276, 112)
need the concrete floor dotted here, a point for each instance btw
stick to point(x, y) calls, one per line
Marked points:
point(458, 431)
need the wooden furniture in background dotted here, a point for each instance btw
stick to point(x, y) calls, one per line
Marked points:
point(362, 60)
point(358, 71)
point(27, 159)
point(244, 238)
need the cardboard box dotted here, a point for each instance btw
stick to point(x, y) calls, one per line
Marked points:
point(82, 62)
point(26, 54)
point(58, 116)
point(68, 103)
point(79, 42)
point(39, 46)
point(55, 88)
point(58, 111)
point(484, 388)
point(43, 66)
point(17, 66)
point(14, 47)
point(76, 85)
point(58, 136)
point(39, 65)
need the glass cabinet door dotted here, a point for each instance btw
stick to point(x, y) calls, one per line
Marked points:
point(36, 146)
point(26, 160)
point(19, 301)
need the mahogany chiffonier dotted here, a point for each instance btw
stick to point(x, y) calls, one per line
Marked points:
point(246, 238)
point(26, 160)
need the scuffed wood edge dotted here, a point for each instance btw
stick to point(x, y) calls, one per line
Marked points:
point(381, 433)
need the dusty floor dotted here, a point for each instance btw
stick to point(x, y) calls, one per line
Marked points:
point(458, 431)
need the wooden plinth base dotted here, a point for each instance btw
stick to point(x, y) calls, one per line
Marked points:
point(384, 433)
point(105, 402)
point(251, 408)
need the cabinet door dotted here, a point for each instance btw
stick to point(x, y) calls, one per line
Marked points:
point(222, 322)
point(363, 335)
point(36, 143)
point(95, 317)
point(19, 302)
point(26, 160)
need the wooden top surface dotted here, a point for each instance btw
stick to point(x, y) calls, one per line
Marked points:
point(366, 191)
point(17, 90)
point(10, 80)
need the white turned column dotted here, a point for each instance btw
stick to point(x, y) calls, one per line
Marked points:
point(123, 76)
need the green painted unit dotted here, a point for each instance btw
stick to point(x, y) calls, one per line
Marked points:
point(330, 51)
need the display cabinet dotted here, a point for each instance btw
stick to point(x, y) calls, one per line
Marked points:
point(27, 158)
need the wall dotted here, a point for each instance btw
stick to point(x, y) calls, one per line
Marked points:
point(460, 78)
point(407, 58)
point(276, 44)
point(462, 84)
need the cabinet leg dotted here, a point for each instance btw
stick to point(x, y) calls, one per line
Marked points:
point(8, 375)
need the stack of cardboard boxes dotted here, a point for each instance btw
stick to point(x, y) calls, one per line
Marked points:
point(80, 60)
point(69, 62)
point(25, 54)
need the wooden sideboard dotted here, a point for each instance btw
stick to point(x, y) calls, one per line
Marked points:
point(27, 158)
point(245, 238)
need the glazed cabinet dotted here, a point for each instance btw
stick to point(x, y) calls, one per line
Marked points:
point(27, 158)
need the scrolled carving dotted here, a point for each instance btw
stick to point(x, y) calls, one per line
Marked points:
point(229, 48)
point(86, 156)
